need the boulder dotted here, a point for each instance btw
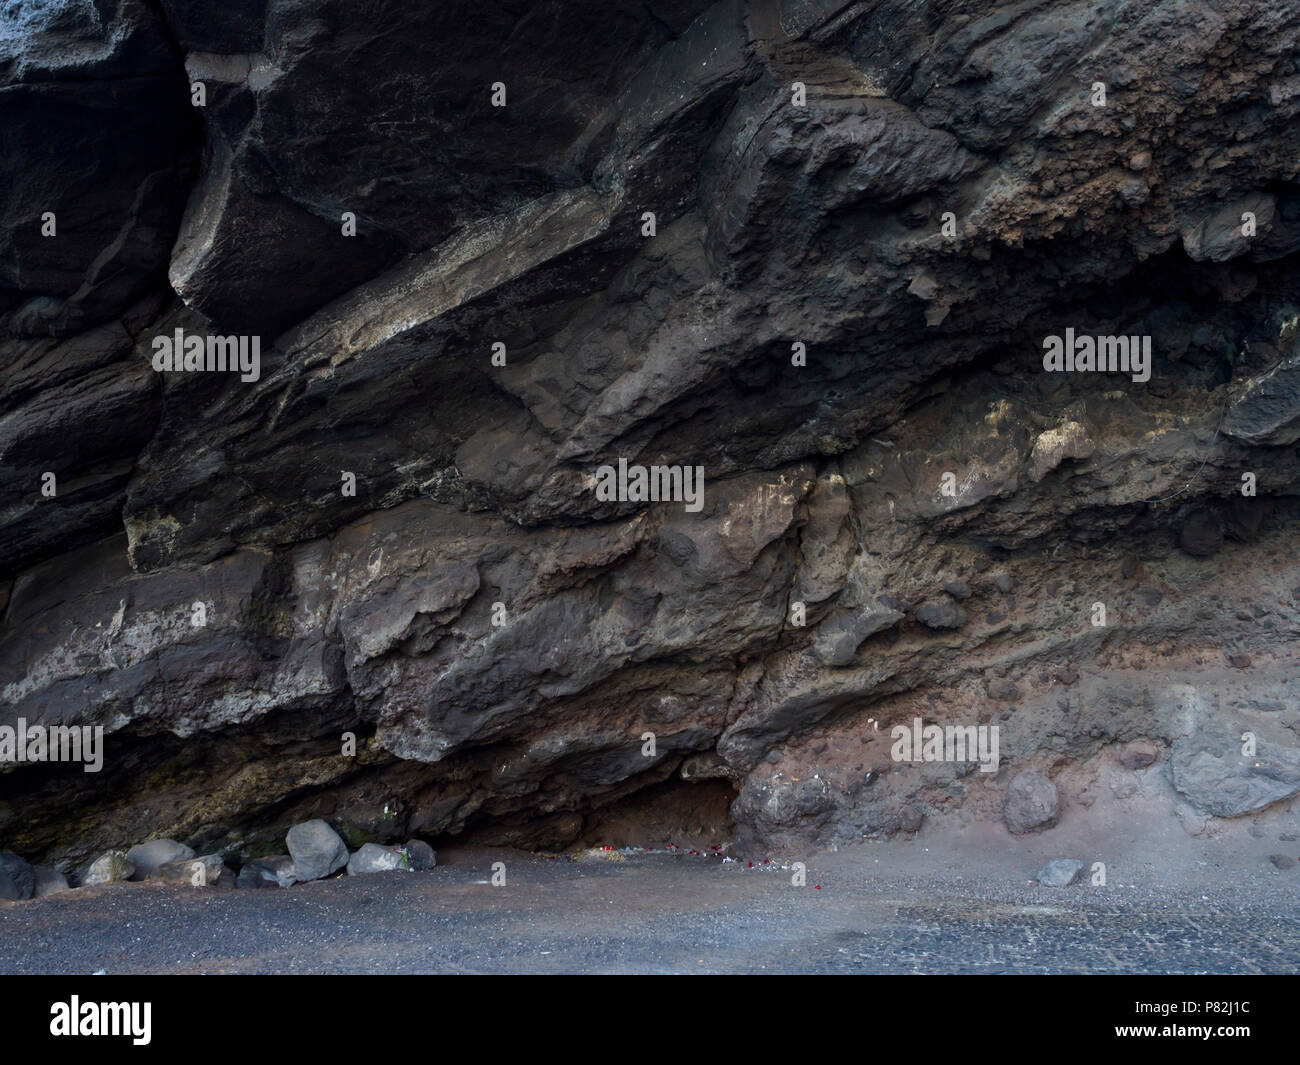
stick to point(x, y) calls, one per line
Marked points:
point(146, 857)
point(1209, 770)
point(372, 858)
point(1267, 410)
point(49, 881)
point(419, 855)
point(108, 868)
point(1031, 803)
point(275, 871)
point(17, 879)
point(207, 871)
point(317, 850)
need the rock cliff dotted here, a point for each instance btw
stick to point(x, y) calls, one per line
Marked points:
point(816, 248)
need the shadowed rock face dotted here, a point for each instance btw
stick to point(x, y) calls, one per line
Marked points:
point(908, 517)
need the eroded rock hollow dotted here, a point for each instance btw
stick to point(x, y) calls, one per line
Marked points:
point(816, 249)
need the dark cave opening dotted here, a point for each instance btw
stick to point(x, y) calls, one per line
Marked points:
point(684, 813)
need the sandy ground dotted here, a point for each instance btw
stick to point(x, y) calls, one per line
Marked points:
point(962, 902)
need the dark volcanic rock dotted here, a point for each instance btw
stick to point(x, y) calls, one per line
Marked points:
point(98, 133)
point(940, 614)
point(420, 857)
point(49, 882)
point(277, 871)
point(1031, 803)
point(17, 878)
point(375, 584)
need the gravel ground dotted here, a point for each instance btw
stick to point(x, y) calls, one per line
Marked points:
point(887, 908)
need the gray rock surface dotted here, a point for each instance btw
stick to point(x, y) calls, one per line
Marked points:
point(1211, 772)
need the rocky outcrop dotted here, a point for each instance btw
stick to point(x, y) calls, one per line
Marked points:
point(817, 248)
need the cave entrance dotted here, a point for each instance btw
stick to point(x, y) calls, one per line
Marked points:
point(687, 814)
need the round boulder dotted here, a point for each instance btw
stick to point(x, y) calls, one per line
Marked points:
point(1031, 803)
point(317, 850)
point(372, 858)
point(49, 881)
point(147, 857)
point(420, 855)
point(108, 868)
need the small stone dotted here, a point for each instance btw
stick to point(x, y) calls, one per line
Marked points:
point(1239, 661)
point(205, 872)
point(1060, 872)
point(910, 818)
point(317, 850)
point(1283, 861)
point(1150, 596)
point(923, 286)
point(1003, 690)
point(372, 858)
point(146, 857)
point(49, 881)
point(275, 871)
point(957, 589)
point(1031, 803)
point(108, 868)
point(941, 614)
point(17, 878)
point(1067, 676)
point(420, 856)
point(250, 879)
point(1139, 755)
point(1003, 582)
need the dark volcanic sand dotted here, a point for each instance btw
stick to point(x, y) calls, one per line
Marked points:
point(924, 906)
